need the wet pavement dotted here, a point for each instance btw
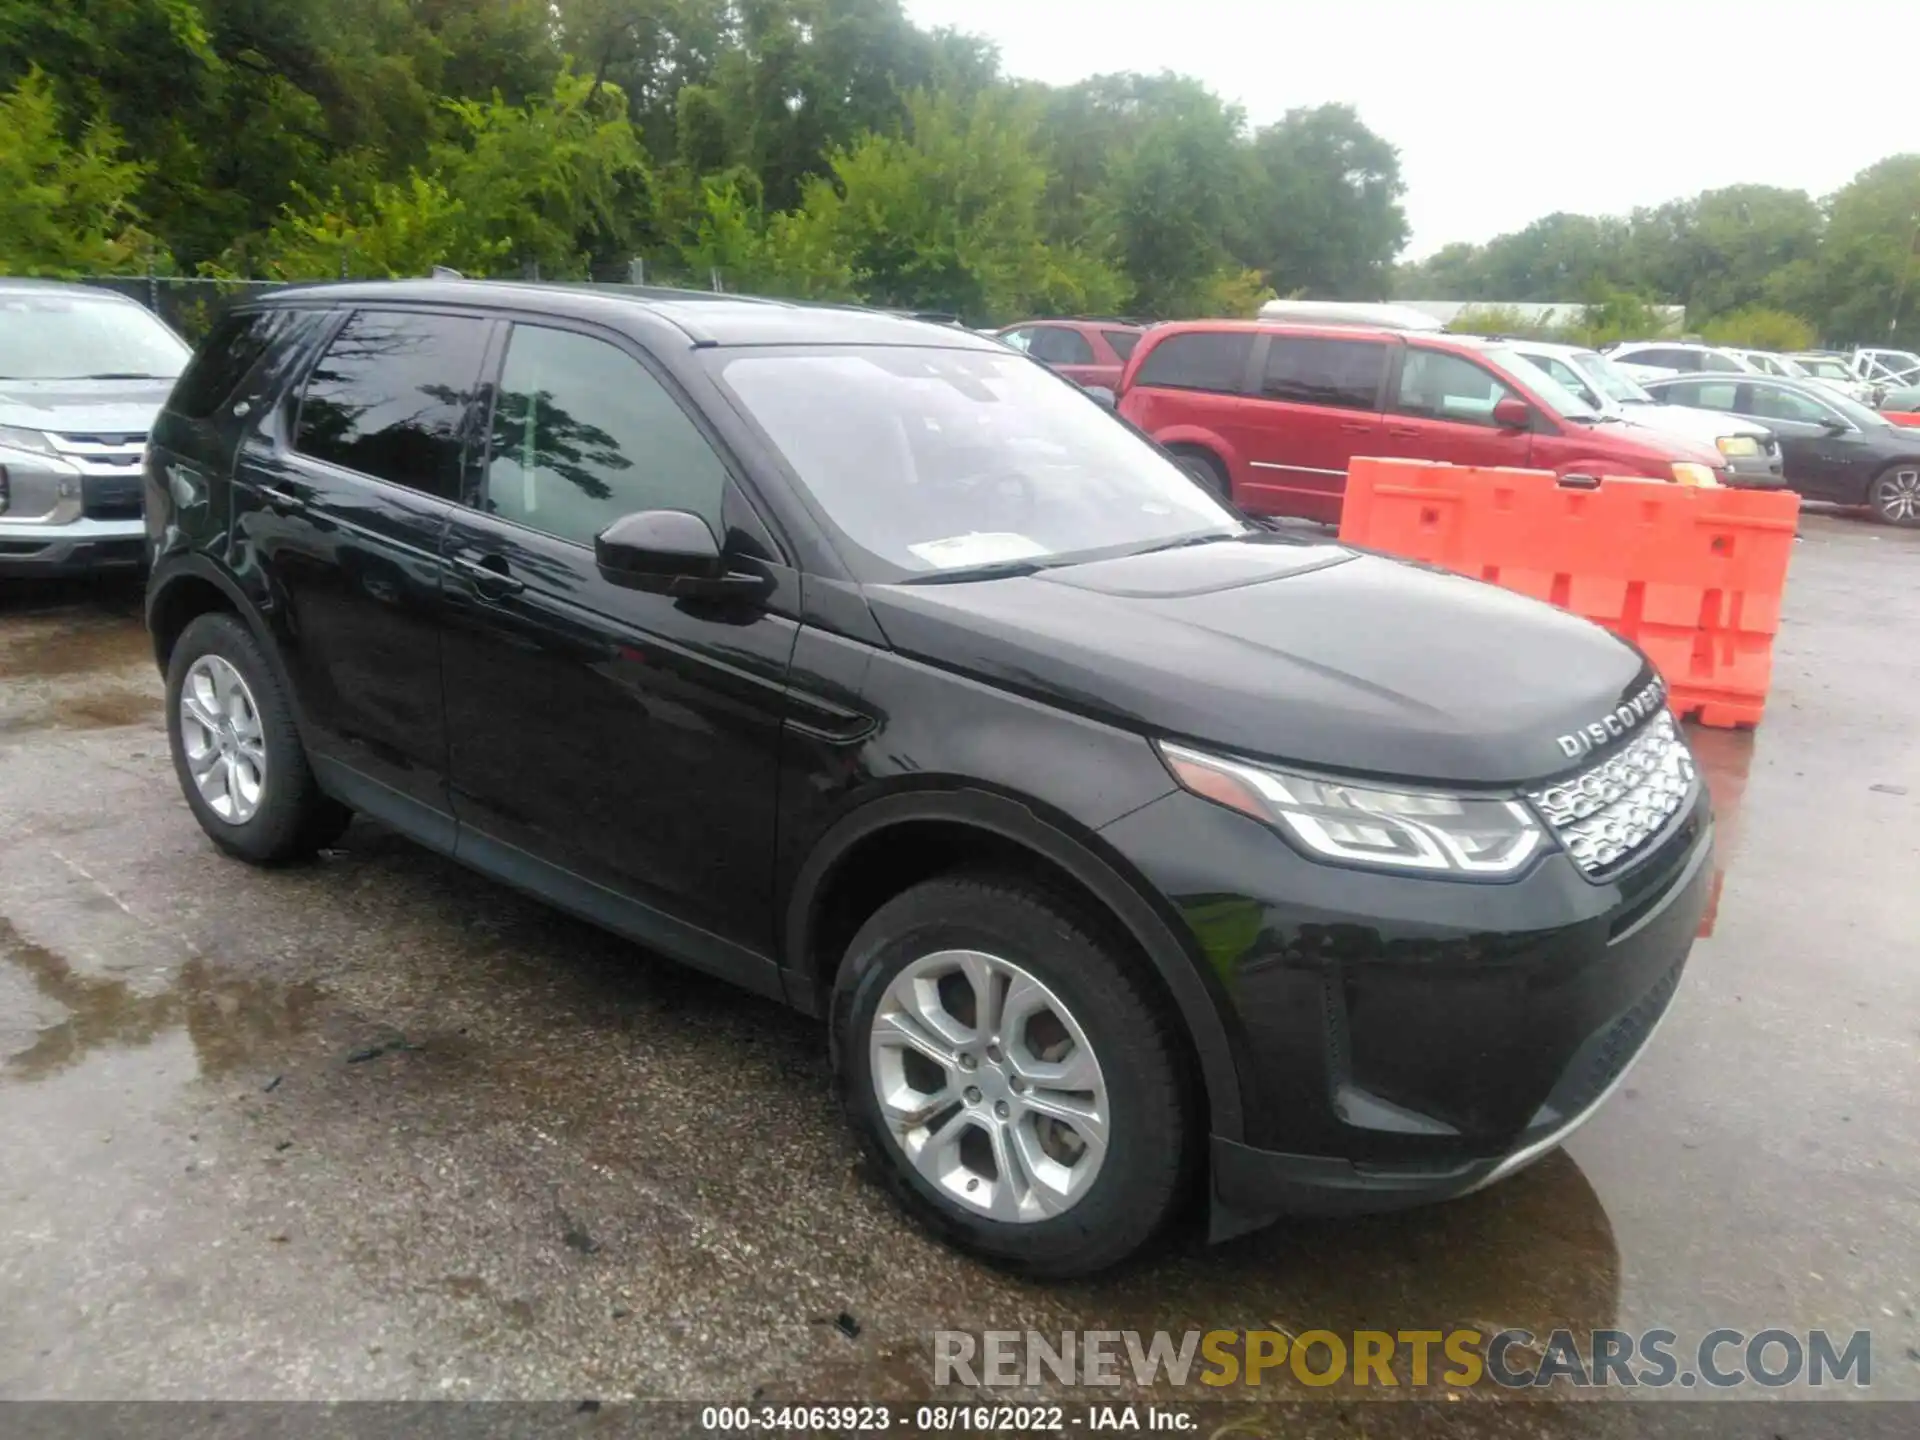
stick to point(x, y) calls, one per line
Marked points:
point(377, 1128)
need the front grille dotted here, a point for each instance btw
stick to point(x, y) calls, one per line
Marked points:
point(95, 453)
point(112, 497)
point(1607, 814)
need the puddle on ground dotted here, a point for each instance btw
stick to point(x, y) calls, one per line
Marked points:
point(230, 1018)
point(1725, 758)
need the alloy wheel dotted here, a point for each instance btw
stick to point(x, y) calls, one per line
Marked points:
point(988, 1086)
point(220, 732)
point(1896, 495)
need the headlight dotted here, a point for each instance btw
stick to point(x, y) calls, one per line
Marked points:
point(1390, 829)
point(16, 439)
point(1688, 473)
point(1738, 445)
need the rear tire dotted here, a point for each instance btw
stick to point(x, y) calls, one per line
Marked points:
point(237, 752)
point(1894, 495)
point(1207, 470)
point(1053, 1134)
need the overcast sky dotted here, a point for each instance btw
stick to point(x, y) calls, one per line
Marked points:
point(1506, 110)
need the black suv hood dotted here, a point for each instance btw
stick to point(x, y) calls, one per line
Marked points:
point(1308, 654)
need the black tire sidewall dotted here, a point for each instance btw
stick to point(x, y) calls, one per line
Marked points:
point(274, 832)
point(1141, 1176)
point(1206, 472)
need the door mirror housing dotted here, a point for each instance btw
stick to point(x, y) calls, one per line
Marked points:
point(1512, 413)
point(1836, 427)
point(1103, 397)
point(669, 552)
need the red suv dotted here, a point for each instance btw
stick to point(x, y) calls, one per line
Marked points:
point(1087, 352)
point(1271, 414)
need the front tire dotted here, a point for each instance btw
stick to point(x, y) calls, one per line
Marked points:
point(1011, 1076)
point(237, 752)
point(1894, 495)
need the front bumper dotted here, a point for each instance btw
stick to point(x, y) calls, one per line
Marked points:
point(77, 547)
point(1402, 1040)
point(1759, 472)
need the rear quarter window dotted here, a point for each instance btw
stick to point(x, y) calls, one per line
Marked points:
point(225, 358)
point(1204, 360)
point(1122, 342)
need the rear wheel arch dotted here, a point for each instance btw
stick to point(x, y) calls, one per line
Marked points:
point(192, 587)
point(894, 843)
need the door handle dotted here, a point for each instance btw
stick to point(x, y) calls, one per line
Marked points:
point(1356, 427)
point(488, 574)
point(1402, 433)
point(281, 499)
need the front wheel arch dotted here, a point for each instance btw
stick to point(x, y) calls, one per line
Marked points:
point(1008, 829)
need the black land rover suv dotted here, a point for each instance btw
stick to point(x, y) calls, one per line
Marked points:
point(1124, 846)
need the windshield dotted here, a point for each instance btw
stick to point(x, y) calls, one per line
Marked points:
point(949, 460)
point(59, 336)
point(1610, 380)
point(1557, 397)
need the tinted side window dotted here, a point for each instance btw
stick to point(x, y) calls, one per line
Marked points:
point(583, 434)
point(1720, 364)
point(1703, 394)
point(1442, 386)
point(1061, 347)
point(1772, 403)
point(390, 396)
point(1122, 342)
point(1307, 371)
point(224, 360)
point(1198, 362)
point(1665, 359)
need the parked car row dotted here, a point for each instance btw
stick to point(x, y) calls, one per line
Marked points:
point(1270, 413)
point(1865, 375)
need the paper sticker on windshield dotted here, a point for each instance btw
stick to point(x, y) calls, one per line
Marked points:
point(977, 549)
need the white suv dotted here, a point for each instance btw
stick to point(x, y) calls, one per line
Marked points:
point(1655, 359)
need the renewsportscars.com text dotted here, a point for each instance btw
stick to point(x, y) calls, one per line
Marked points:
point(1460, 1358)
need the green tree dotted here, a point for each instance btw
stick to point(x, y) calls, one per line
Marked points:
point(1326, 218)
point(1759, 328)
point(65, 208)
point(1868, 283)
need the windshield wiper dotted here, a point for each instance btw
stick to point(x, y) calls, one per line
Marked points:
point(1212, 537)
point(998, 570)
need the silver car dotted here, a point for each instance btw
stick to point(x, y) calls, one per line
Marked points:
point(83, 372)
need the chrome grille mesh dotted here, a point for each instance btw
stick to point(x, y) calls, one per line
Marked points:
point(1604, 815)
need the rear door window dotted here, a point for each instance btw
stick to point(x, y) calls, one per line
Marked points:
point(1203, 360)
point(1664, 359)
point(1305, 370)
point(1438, 385)
point(1122, 342)
point(227, 357)
point(1702, 394)
point(390, 398)
point(1057, 346)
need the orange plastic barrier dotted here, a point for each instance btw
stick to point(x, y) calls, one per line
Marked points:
point(1693, 576)
point(1903, 417)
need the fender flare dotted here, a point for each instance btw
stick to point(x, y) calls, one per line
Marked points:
point(173, 569)
point(1178, 969)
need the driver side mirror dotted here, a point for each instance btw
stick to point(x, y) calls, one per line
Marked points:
point(1102, 396)
point(669, 552)
point(1512, 413)
point(1835, 427)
